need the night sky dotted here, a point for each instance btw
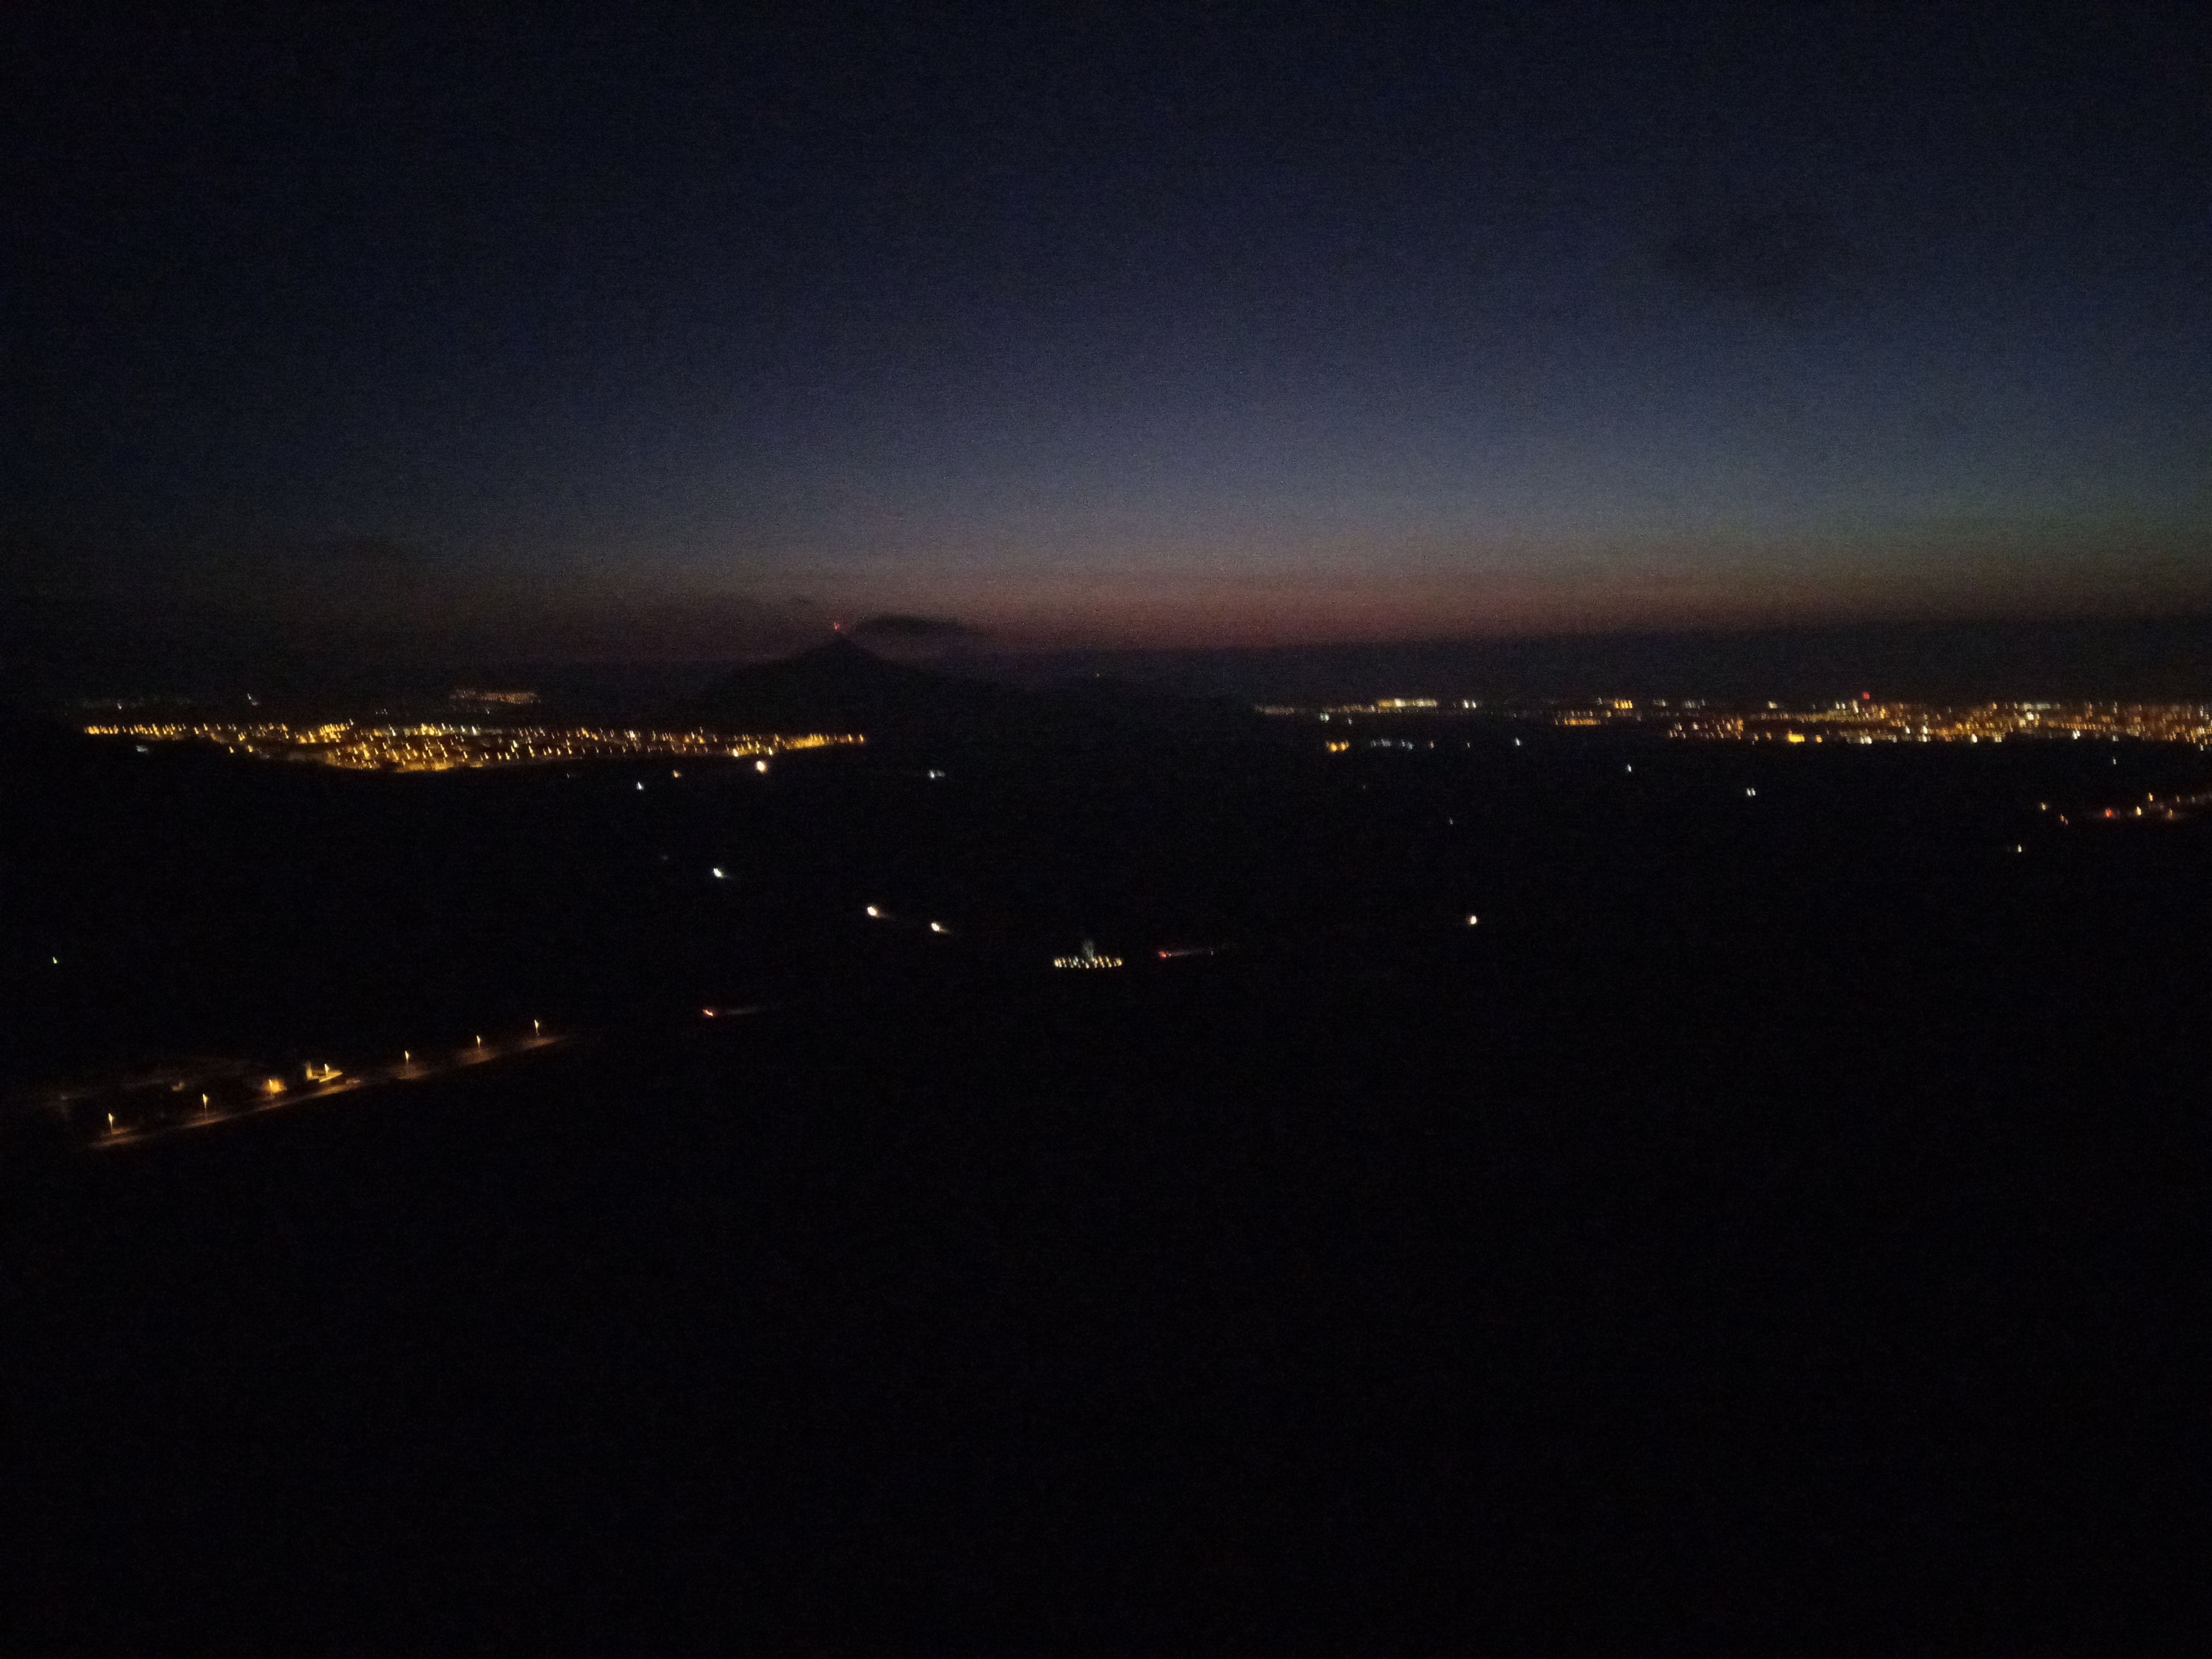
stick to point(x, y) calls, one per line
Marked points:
point(681, 333)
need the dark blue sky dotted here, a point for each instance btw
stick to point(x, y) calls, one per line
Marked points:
point(648, 332)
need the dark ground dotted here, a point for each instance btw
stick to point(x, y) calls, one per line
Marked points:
point(1780, 1227)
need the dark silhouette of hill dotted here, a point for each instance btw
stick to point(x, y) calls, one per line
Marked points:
point(842, 687)
point(31, 746)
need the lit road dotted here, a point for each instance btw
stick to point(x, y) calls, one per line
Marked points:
point(330, 1083)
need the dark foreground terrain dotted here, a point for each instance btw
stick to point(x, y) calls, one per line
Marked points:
point(1780, 1226)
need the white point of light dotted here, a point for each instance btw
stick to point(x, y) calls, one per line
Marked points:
point(1472, 920)
point(718, 872)
point(759, 766)
point(936, 926)
point(1750, 792)
point(873, 911)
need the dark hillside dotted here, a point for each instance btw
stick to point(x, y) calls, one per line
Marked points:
point(843, 687)
point(1776, 1226)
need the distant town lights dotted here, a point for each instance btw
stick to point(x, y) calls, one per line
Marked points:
point(439, 747)
point(1090, 957)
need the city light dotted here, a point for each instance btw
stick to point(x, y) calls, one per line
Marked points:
point(1861, 719)
point(1866, 721)
point(444, 747)
point(1088, 957)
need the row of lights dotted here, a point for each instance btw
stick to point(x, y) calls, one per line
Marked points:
point(275, 1086)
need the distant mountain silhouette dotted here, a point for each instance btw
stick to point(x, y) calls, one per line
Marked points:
point(841, 687)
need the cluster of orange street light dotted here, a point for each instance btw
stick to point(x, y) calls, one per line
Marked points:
point(440, 746)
